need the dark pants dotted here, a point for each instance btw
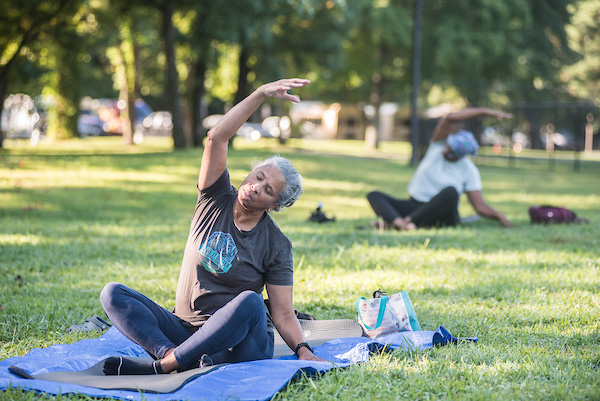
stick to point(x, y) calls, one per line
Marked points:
point(237, 332)
point(441, 210)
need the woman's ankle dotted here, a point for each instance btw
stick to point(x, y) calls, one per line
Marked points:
point(168, 363)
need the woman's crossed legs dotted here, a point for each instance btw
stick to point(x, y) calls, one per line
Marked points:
point(236, 332)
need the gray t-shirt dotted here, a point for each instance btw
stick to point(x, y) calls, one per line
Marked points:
point(220, 261)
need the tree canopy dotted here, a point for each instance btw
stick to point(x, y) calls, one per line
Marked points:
point(482, 51)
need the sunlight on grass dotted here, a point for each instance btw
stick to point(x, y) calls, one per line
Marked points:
point(78, 214)
point(17, 239)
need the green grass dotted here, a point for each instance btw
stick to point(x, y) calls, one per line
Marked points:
point(76, 215)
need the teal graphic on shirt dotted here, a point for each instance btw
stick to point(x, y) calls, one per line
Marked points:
point(218, 252)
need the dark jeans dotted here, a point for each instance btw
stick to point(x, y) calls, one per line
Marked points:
point(441, 210)
point(237, 332)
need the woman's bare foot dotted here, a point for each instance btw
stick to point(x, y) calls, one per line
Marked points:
point(380, 224)
point(409, 224)
point(404, 223)
point(400, 223)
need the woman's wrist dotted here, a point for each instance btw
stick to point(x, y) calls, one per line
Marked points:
point(263, 92)
point(302, 348)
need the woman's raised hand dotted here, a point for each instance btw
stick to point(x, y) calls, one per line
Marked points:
point(500, 115)
point(278, 89)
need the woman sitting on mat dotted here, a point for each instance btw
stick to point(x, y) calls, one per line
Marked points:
point(234, 249)
point(442, 176)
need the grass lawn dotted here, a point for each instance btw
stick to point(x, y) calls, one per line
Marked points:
point(75, 216)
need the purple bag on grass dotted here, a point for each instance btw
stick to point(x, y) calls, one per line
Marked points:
point(552, 214)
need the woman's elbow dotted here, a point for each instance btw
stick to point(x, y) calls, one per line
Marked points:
point(219, 135)
point(210, 135)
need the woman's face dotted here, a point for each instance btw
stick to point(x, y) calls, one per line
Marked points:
point(449, 154)
point(261, 188)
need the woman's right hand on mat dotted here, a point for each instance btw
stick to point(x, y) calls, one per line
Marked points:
point(306, 355)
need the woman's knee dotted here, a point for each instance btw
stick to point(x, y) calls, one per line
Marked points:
point(371, 196)
point(111, 293)
point(247, 306)
point(377, 199)
point(251, 299)
point(450, 193)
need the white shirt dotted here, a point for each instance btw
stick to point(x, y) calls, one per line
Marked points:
point(436, 173)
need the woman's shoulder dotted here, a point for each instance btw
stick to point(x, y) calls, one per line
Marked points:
point(274, 231)
point(220, 187)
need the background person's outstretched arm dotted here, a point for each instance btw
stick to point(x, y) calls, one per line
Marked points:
point(444, 126)
point(485, 210)
point(214, 159)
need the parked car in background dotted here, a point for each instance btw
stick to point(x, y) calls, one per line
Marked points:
point(278, 127)
point(271, 127)
point(561, 140)
point(90, 124)
point(520, 140)
point(494, 136)
point(103, 116)
point(19, 116)
point(500, 139)
point(158, 123)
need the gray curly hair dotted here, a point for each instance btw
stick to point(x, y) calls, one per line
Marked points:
point(293, 180)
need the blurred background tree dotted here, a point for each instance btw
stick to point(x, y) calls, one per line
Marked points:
point(382, 53)
point(34, 37)
point(583, 77)
point(196, 58)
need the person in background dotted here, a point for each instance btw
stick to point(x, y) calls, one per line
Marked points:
point(443, 175)
point(234, 250)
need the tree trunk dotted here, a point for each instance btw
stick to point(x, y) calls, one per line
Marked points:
point(199, 65)
point(197, 114)
point(474, 125)
point(136, 60)
point(242, 89)
point(64, 123)
point(2, 97)
point(124, 113)
point(128, 88)
point(172, 90)
point(533, 118)
point(372, 133)
point(416, 83)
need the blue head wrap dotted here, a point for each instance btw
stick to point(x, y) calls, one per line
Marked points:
point(463, 143)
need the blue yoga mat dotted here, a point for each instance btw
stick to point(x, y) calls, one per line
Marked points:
point(256, 380)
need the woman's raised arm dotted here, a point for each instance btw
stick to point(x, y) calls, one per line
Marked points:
point(214, 159)
point(444, 126)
